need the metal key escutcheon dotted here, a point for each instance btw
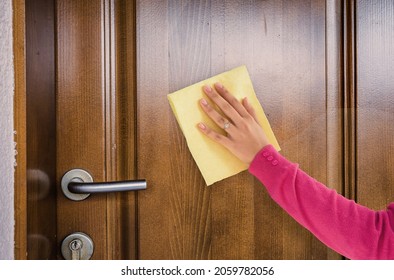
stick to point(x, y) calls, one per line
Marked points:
point(77, 246)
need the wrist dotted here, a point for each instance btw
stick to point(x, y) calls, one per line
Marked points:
point(261, 150)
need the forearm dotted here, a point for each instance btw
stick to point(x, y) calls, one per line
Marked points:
point(349, 228)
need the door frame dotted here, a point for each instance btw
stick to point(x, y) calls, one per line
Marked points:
point(20, 175)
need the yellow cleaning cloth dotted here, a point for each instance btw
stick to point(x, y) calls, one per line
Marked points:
point(214, 161)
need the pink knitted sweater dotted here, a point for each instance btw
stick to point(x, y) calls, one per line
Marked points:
point(350, 229)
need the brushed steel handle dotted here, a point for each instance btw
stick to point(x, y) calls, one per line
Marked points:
point(77, 184)
point(104, 187)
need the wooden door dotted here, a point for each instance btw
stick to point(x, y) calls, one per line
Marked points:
point(373, 103)
point(295, 68)
point(114, 64)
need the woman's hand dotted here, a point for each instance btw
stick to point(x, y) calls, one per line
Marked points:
point(245, 137)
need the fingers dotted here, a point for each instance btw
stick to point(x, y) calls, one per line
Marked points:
point(230, 99)
point(223, 140)
point(213, 114)
point(250, 109)
point(230, 106)
point(224, 106)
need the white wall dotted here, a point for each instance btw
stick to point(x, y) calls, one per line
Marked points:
point(6, 132)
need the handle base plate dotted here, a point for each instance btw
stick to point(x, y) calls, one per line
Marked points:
point(75, 175)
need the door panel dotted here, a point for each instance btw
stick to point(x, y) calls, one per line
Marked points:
point(95, 124)
point(81, 115)
point(375, 103)
point(283, 45)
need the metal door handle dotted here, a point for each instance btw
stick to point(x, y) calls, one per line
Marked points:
point(119, 186)
point(77, 184)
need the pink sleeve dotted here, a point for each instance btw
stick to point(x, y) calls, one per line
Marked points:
point(352, 230)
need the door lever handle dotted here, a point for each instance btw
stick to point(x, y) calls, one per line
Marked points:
point(104, 187)
point(77, 184)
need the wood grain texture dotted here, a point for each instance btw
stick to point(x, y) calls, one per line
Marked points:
point(96, 85)
point(335, 93)
point(173, 216)
point(349, 101)
point(290, 79)
point(375, 102)
point(233, 235)
point(120, 126)
point(96, 124)
point(81, 93)
point(108, 50)
point(20, 180)
point(283, 45)
point(41, 129)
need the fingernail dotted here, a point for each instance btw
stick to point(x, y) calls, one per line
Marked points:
point(204, 102)
point(207, 88)
point(246, 100)
point(219, 85)
point(202, 126)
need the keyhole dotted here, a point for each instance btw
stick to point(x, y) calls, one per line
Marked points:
point(75, 245)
